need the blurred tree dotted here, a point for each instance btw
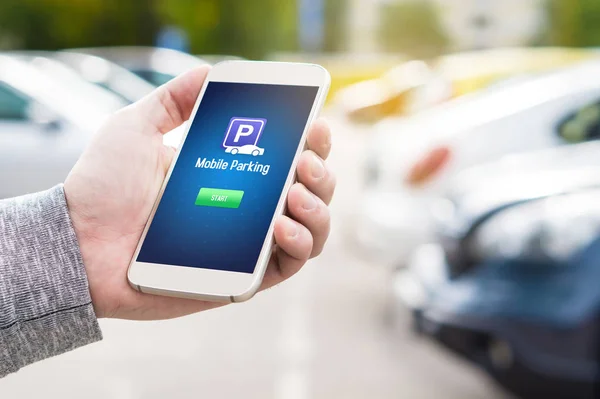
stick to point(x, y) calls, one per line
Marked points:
point(335, 28)
point(246, 28)
point(413, 28)
point(51, 24)
point(574, 22)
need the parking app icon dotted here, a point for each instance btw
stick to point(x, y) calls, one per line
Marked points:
point(242, 136)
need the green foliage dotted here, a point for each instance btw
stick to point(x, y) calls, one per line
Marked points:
point(412, 28)
point(50, 24)
point(335, 13)
point(574, 22)
point(250, 28)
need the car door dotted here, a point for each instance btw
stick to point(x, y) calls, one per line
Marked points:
point(31, 149)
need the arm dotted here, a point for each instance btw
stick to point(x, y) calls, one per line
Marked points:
point(45, 305)
point(47, 239)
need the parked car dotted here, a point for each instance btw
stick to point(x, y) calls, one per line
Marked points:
point(97, 71)
point(512, 284)
point(401, 90)
point(411, 160)
point(415, 86)
point(66, 76)
point(45, 123)
point(106, 74)
point(155, 65)
point(346, 68)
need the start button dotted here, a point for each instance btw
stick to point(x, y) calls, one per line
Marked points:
point(219, 197)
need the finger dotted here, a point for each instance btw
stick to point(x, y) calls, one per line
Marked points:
point(172, 103)
point(312, 213)
point(293, 238)
point(316, 176)
point(319, 138)
point(294, 245)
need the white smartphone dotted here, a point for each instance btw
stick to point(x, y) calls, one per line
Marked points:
point(210, 233)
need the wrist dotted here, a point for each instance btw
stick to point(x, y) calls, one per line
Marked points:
point(86, 245)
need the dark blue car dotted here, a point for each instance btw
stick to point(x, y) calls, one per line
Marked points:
point(514, 284)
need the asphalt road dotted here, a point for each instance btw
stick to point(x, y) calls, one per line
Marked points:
point(321, 335)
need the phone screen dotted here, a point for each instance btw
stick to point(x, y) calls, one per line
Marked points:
point(219, 202)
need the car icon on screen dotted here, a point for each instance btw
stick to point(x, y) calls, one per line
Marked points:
point(248, 149)
point(242, 136)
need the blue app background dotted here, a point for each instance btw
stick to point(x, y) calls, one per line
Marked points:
point(184, 234)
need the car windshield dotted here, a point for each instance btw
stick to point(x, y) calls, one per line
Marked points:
point(13, 105)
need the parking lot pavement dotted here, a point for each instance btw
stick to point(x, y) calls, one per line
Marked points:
point(321, 335)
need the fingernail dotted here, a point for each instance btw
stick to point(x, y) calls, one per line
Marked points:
point(308, 201)
point(317, 169)
point(291, 230)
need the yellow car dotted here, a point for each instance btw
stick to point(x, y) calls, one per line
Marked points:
point(415, 85)
point(346, 69)
point(474, 70)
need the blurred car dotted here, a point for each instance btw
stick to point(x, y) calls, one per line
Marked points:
point(45, 122)
point(396, 92)
point(346, 68)
point(50, 64)
point(155, 65)
point(106, 74)
point(410, 161)
point(512, 284)
point(415, 86)
point(471, 71)
point(490, 175)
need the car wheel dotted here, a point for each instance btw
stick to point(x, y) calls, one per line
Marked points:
point(255, 152)
point(234, 151)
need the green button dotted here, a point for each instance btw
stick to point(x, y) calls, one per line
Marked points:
point(219, 197)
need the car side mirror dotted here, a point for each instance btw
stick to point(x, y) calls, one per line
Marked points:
point(43, 117)
point(581, 126)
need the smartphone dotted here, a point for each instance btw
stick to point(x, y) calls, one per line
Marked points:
point(210, 233)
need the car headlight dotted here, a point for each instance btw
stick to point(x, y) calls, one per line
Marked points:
point(545, 231)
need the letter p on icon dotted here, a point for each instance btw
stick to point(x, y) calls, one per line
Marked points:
point(243, 131)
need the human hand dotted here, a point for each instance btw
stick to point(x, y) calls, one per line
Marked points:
point(111, 191)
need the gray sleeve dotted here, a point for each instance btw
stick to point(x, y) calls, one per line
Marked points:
point(45, 304)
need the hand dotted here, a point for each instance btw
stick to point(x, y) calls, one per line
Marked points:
point(112, 188)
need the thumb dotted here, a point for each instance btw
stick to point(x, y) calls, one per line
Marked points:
point(172, 103)
point(168, 155)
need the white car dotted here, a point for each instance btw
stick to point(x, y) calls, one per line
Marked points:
point(45, 122)
point(155, 65)
point(66, 76)
point(412, 160)
point(106, 74)
point(247, 149)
